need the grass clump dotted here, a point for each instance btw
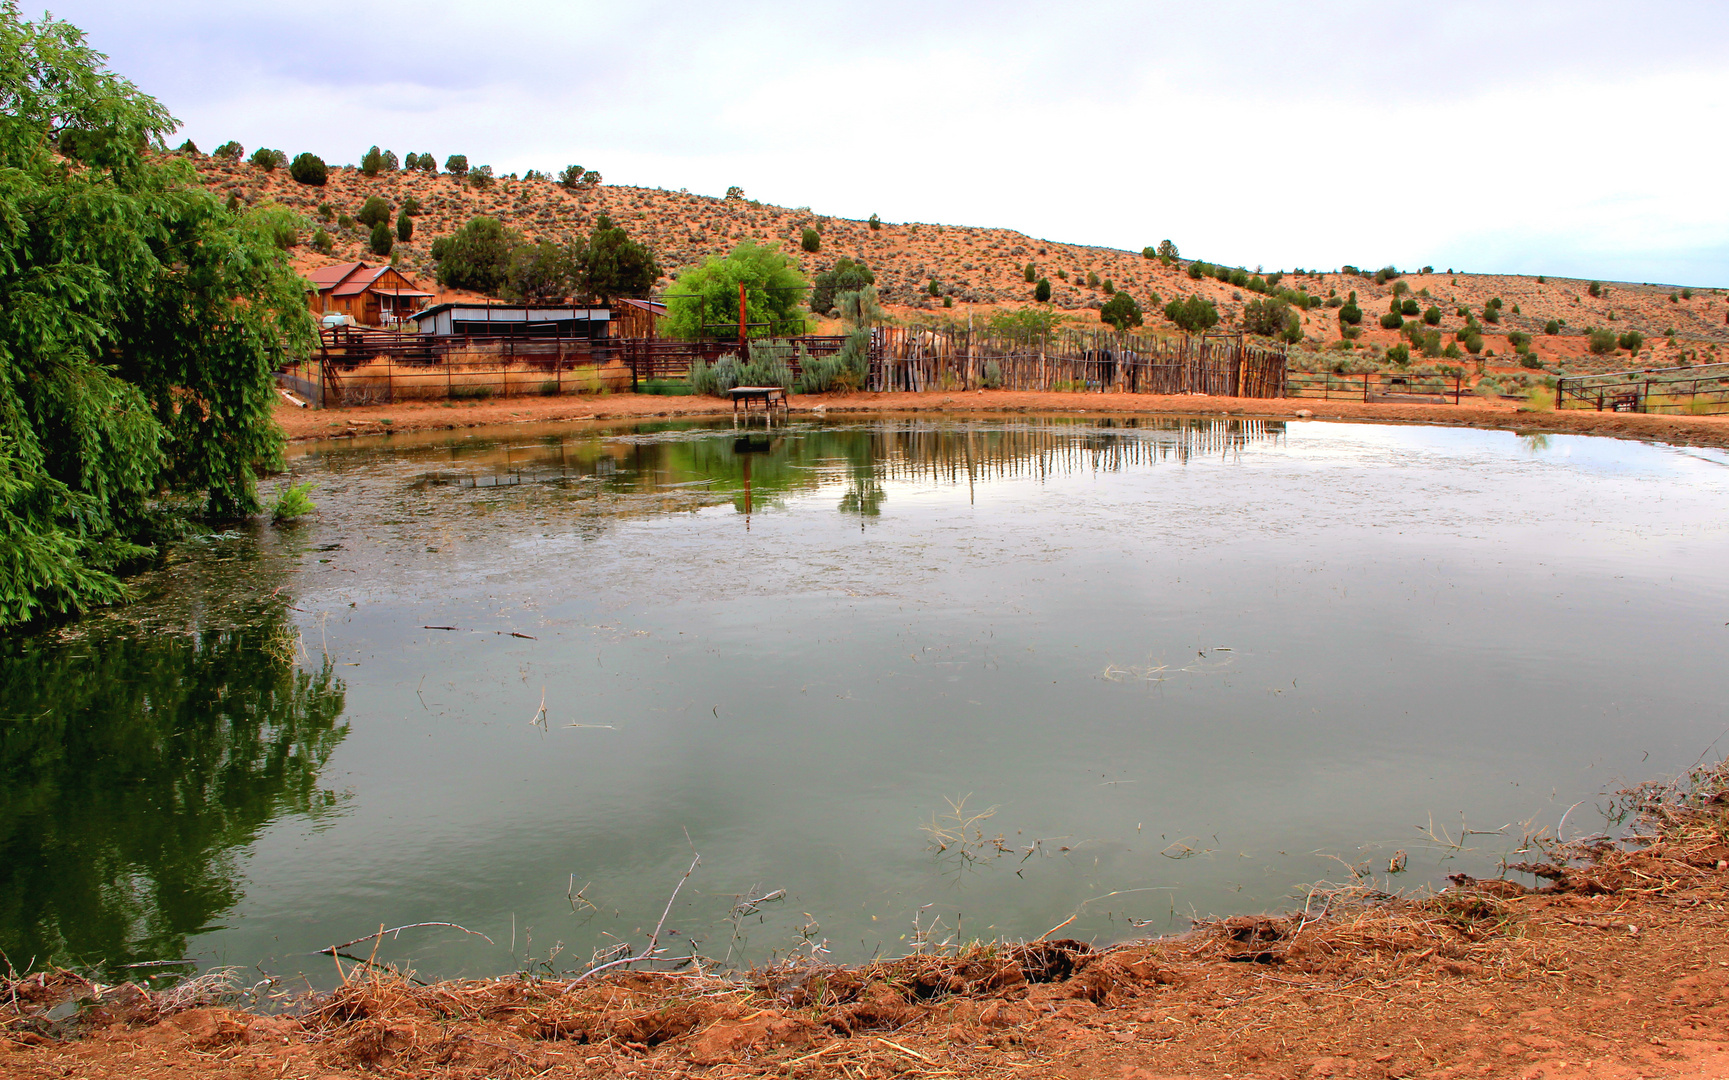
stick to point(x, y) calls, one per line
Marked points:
point(292, 502)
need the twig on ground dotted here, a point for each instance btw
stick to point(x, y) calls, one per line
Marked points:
point(393, 931)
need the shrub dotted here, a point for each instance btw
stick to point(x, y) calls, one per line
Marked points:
point(876, 223)
point(1392, 320)
point(372, 162)
point(992, 377)
point(1473, 342)
point(1595, 289)
point(1030, 273)
point(343, 221)
point(411, 163)
point(1400, 288)
point(1167, 250)
point(456, 165)
point(428, 163)
point(1686, 294)
point(480, 177)
point(382, 239)
point(1632, 341)
point(267, 159)
point(1121, 311)
point(321, 241)
point(1110, 287)
point(1197, 270)
point(707, 294)
point(308, 169)
point(735, 194)
point(1601, 342)
point(188, 147)
point(1452, 352)
point(1551, 328)
point(1400, 355)
point(325, 211)
point(404, 226)
point(292, 502)
point(933, 288)
point(1265, 317)
point(1519, 341)
point(233, 203)
point(229, 151)
point(1240, 277)
point(1432, 316)
point(1431, 343)
point(1540, 399)
point(1385, 274)
point(1530, 360)
point(476, 256)
point(1541, 280)
point(1042, 290)
point(1194, 314)
point(810, 239)
point(375, 212)
point(845, 276)
point(1410, 307)
point(1350, 314)
point(570, 177)
point(411, 206)
point(1149, 252)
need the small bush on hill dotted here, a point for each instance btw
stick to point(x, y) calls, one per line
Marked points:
point(1198, 270)
point(480, 177)
point(810, 239)
point(309, 169)
point(1632, 341)
point(229, 151)
point(1194, 314)
point(1030, 273)
point(1350, 314)
point(1400, 355)
point(1121, 311)
point(1432, 315)
point(1265, 317)
point(1110, 287)
point(372, 162)
point(188, 147)
point(1600, 342)
point(1595, 288)
point(1167, 250)
point(1042, 290)
point(375, 212)
point(476, 256)
point(456, 165)
point(1149, 252)
point(1552, 327)
point(1392, 320)
point(382, 240)
point(845, 276)
point(321, 241)
point(1410, 307)
point(876, 223)
point(404, 226)
point(1385, 274)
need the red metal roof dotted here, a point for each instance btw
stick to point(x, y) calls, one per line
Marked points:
point(328, 277)
point(364, 278)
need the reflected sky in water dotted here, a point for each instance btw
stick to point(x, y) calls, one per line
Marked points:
point(1183, 666)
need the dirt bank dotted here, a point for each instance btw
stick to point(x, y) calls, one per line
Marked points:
point(432, 416)
point(1617, 967)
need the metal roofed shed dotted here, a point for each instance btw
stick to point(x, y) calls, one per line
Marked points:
point(459, 319)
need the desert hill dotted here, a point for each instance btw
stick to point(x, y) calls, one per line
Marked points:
point(980, 270)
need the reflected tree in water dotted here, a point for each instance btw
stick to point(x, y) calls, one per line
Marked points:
point(135, 767)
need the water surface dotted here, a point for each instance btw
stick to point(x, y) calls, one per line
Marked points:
point(1183, 666)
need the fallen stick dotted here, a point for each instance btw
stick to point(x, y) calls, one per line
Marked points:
point(654, 938)
point(332, 949)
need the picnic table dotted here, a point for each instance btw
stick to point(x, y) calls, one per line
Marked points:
point(770, 396)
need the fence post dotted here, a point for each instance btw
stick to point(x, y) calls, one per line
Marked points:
point(1365, 388)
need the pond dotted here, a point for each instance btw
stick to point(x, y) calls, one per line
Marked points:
point(897, 682)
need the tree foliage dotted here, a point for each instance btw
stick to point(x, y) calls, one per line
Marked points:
point(309, 169)
point(609, 263)
point(476, 256)
point(845, 276)
point(1042, 290)
point(1194, 314)
point(139, 325)
point(810, 239)
point(1265, 317)
point(374, 211)
point(703, 302)
point(1121, 311)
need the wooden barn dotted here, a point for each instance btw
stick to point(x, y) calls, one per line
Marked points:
point(637, 318)
point(371, 295)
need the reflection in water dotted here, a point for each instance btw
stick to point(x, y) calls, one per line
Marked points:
point(134, 768)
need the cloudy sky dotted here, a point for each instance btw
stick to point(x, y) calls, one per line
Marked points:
point(1579, 138)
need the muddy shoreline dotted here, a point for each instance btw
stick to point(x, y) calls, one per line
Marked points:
point(305, 424)
point(1612, 962)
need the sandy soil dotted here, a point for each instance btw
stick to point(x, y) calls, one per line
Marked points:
point(431, 416)
point(981, 270)
point(1617, 968)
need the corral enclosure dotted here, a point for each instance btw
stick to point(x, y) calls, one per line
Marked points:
point(1181, 666)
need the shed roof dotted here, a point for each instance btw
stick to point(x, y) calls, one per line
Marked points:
point(328, 277)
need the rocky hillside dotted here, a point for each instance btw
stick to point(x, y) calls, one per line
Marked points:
point(979, 270)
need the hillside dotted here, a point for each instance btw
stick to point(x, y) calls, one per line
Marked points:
point(981, 269)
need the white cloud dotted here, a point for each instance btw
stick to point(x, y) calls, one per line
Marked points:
point(1577, 138)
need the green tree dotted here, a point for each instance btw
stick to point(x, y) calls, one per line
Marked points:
point(1265, 317)
point(703, 302)
point(609, 263)
point(570, 177)
point(810, 239)
point(308, 169)
point(1167, 250)
point(134, 355)
point(1194, 314)
point(372, 162)
point(1596, 288)
point(1042, 290)
point(1632, 341)
point(267, 159)
point(404, 226)
point(542, 272)
point(480, 177)
point(457, 166)
point(876, 223)
point(476, 256)
point(382, 239)
point(1552, 327)
point(375, 212)
point(1149, 252)
point(1121, 311)
point(1432, 315)
point(428, 163)
point(229, 151)
point(321, 241)
point(1030, 272)
point(1027, 321)
point(1349, 313)
point(845, 276)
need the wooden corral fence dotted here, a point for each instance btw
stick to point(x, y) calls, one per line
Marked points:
point(372, 366)
point(653, 358)
point(1701, 389)
point(1376, 386)
point(1229, 365)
